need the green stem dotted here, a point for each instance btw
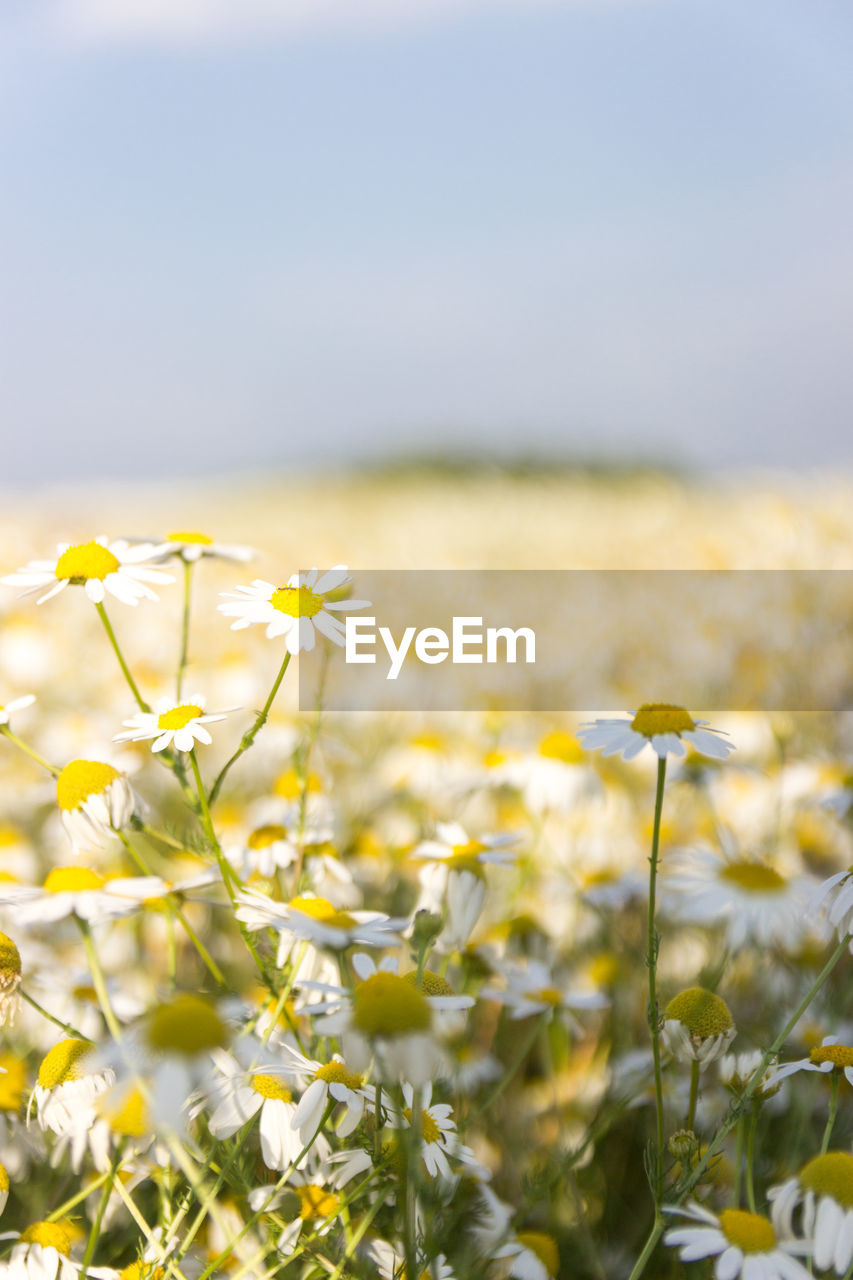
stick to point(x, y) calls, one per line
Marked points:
point(98, 981)
point(140, 701)
point(750, 1158)
point(57, 1022)
point(833, 1111)
point(694, 1095)
point(741, 1133)
point(249, 737)
point(185, 628)
point(28, 751)
point(95, 1231)
point(652, 962)
point(56, 1214)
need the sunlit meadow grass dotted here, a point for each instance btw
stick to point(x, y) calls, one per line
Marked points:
point(452, 996)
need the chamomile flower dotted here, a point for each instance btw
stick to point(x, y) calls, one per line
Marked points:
point(697, 1026)
point(10, 980)
point(660, 725)
point(315, 920)
point(834, 899)
point(99, 567)
point(829, 1056)
point(191, 546)
point(437, 1129)
point(532, 989)
point(266, 849)
point(17, 704)
point(296, 611)
point(81, 892)
point(240, 1095)
point(824, 1188)
point(180, 725)
point(319, 1207)
point(756, 902)
point(390, 1263)
point(736, 1071)
point(532, 1255)
point(456, 874)
point(43, 1252)
point(95, 801)
point(331, 1080)
point(744, 1244)
point(69, 1080)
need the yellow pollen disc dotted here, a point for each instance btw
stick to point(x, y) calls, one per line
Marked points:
point(751, 1232)
point(142, 1271)
point(322, 910)
point(385, 1005)
point(830, 1175)
point(263, 837)
point(81, 779)
point(10, 960)
point(840, 1055)
point(127, 1115)
point(289, 785)
point(297, 602)
point(60, 1064)
point(316, 1202)
point(4, 1179)
point(199, 539)
point(560, 745)
point(271, 1087)
point(13, 1082)
point(463, 860)
point(700, 1011)
point(186, 1024)
point(72, 880)
point(179, 717)
point(339, 1073)
point(755, 877)
point(429, 1129)
point(87, 560)
point(548, 995)
point(661, 717)
point(544, 1247)
point(50, 1235)
point(432, 984)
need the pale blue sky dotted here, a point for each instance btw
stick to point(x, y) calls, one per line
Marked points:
point(234, 234)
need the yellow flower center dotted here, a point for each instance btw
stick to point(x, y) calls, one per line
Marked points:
point(316, 1202)
point(4, 1179)
point(432, 984)
point(263, 837)
point(10, 960)
point(86, 560)
point(464, 859)
point(126, 1115)
point(339, 1073)
point(187, 1025)
point(271, 1087)
point(830, 1175)
point(840, 1055)
point(560, 745)
point(700, 1011)
point(142, 1271)
point(290, 786)
point(50, 1235)
point(430, 1131)
point(751, 1232)
point(13, 1082)
point(661, 717)
point(547, 995)
point(72, 880)
point(179, 717)
point(81, 779)
point(755, 877)
point(544, 1247)
point(385, 1005)
point(199, 539)
point(297, 602)
point(60, 1064)
point(322, 910)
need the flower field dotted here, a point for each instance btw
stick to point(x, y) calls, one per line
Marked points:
point(351, 995)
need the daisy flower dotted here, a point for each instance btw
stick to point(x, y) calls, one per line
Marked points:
point(240, 1094)
point(756, 902)
point(191, 546)
point(43, 1252)
point(824, 1188)
point(834, 898)
point(180, 725)
point(665, 727)
point(10, 980)
point(65, 1093)
point(744, 1244)
point(697, 1026)
point(95, 801)
point(17, 704)
point(297, 610)
point(99, 567)
point(267, 849)
point(456, 875)
point(390, 1263)
point(438, 1130)
point(830, 1055)
point(331, 1080)
point(81, 892)
point(736, 1071)
point(532, 1255)
point(315, 920)
point(531, 989)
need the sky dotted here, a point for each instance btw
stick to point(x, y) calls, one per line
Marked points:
point(309, 232)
